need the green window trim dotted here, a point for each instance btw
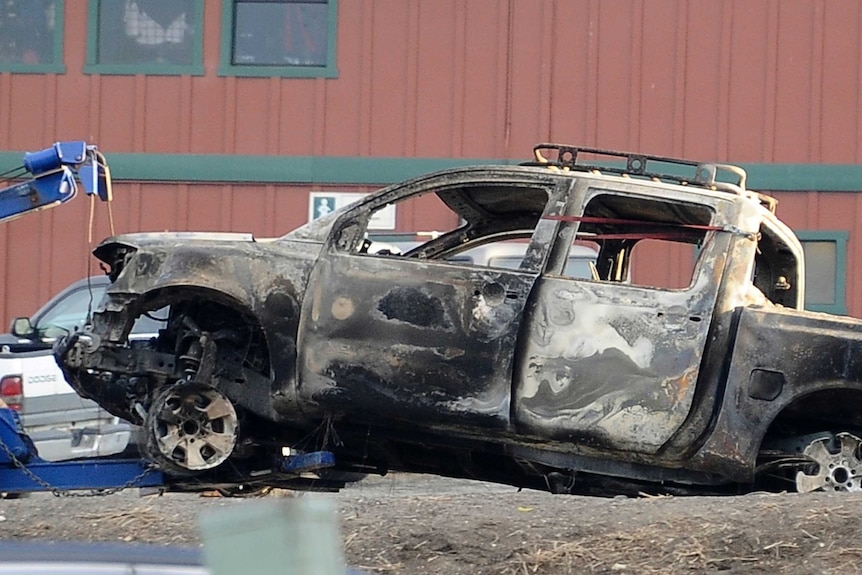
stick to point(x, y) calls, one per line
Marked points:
point(840, 239)
point(56, 66)
point(92, 65)
point(228, 68)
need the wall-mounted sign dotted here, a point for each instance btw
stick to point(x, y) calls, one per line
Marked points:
point(323, 203)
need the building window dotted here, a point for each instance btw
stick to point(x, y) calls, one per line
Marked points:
point(145, 37)
point(825, 270)
point(31, 36)
point(279, 38)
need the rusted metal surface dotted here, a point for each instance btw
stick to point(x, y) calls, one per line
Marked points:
point(527, 376)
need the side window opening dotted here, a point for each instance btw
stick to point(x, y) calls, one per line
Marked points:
point(474, 225)
point(638, 238)
point(662, 263)
point(776, 270)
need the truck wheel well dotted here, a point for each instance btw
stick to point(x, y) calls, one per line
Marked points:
point(787, 455)
point(825, 410)
point(214, 312)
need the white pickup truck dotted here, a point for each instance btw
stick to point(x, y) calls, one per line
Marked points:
point(62, 424)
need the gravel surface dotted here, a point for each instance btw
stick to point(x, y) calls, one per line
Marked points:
point(411, 524)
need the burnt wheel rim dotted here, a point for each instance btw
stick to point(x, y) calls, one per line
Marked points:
point(193, 427)
point(839, 468)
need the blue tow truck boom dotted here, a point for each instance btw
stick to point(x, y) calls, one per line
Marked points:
point(51, 181)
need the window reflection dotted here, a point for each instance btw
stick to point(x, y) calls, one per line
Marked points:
point(821, 265)
point(27, 31)
point(146, 32)
point(287, 33)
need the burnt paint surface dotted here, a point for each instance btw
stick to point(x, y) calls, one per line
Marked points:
point(814, 352)
point(413, 306)
point(427, 341)
point(611, 365)
point(266, 279)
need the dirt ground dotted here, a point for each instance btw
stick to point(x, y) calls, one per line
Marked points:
point(406, 524)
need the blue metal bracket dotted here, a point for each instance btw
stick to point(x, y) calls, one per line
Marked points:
point(300, 463)
point(86, 474)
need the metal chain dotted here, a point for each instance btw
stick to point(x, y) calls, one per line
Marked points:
point(58, 492)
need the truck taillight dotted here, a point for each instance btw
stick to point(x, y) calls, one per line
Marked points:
point(12, 391)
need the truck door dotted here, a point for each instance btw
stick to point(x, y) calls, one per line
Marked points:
point(613, 361)
point(420, 336)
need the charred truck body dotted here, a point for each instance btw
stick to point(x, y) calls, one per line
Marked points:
point(532, 376)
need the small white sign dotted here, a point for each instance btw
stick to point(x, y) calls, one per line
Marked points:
point(323, 203)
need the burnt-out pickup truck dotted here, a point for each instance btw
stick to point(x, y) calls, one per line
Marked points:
point(710, 378)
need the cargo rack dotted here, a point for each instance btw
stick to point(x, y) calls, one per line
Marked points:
point(705, 175)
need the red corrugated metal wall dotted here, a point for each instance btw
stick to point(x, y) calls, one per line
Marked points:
point(736, 80)
point(749, 81)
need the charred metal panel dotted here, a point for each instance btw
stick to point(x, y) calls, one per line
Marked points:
point(265, 280)
point(813, 351)
point(425, 340)
point(414, 306)
point(612, 365)
point(734, 254)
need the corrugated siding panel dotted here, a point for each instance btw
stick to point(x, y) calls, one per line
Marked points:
point(839, 105)
point(483, 65)
point(793, 103)
point(749, 106)
point(522, 83)
point(615, 32)
point(658, 68)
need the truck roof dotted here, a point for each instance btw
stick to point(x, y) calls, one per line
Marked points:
point(706, 176)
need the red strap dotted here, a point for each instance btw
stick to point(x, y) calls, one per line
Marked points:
point(597, 220)
point(670, 236)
